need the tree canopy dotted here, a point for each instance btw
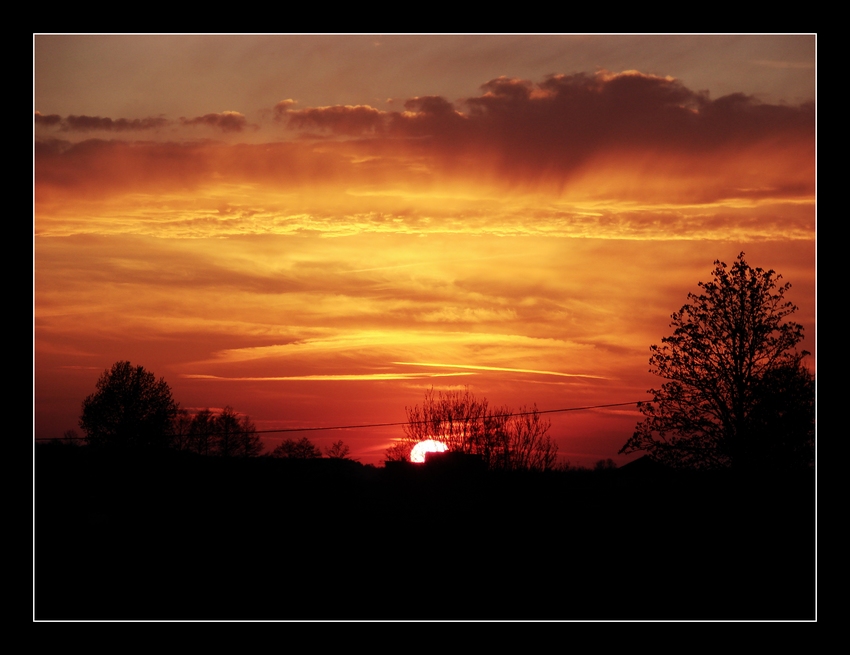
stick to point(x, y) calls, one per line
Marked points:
point(737, 392)
point(129, 409)
point(132, 409)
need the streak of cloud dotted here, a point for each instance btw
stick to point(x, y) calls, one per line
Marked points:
point(349, 377)
point(503, 369)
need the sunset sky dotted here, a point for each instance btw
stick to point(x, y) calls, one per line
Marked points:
point(315, 230)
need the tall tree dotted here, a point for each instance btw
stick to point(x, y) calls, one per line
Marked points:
point(129, 409)
point(731, 358)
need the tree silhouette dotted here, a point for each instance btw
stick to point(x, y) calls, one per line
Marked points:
point(456, 418)
point(504, 439)
point(235, 436)
point(130, 409)
point(782, 423)
point(201, 437)
point(521, 442)
point(338, 450)
point(222, 435)
point(605, 465)
point(398, 452)
point(71, 438)
point(301, 449)
point(180, 430)
point(732, 372)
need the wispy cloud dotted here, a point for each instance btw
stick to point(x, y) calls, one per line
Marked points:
point(325, 378)
point(502, 368)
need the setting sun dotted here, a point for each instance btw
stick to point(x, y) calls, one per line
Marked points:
point(314, 238)
point(420, 450)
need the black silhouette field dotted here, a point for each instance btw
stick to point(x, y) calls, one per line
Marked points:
point(177, 536)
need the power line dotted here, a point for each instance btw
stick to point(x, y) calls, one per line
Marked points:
point(389, 425)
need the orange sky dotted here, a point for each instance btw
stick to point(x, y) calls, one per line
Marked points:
point(314, 230)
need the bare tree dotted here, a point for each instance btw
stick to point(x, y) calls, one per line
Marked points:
point(525, 444)
point(455, 418)
point(504, 439)
point(398, 452)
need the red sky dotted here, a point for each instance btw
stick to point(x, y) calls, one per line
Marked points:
point(316, 229)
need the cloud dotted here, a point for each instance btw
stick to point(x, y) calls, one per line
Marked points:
point(103, 168)
point(502, 369)
point(49, 120)
point(74, 123)
point(598, 138)
point(281, 108)
point(569, 119)
point(226, 121)
point(341, 377)
point(351, 120)
point(566, 116)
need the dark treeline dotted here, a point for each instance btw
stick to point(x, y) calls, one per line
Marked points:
point(132, 411)
point(174, 535)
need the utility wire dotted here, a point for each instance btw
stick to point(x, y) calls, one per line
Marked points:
point(388, 425)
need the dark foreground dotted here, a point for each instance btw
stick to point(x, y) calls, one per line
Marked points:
point(171, 537)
